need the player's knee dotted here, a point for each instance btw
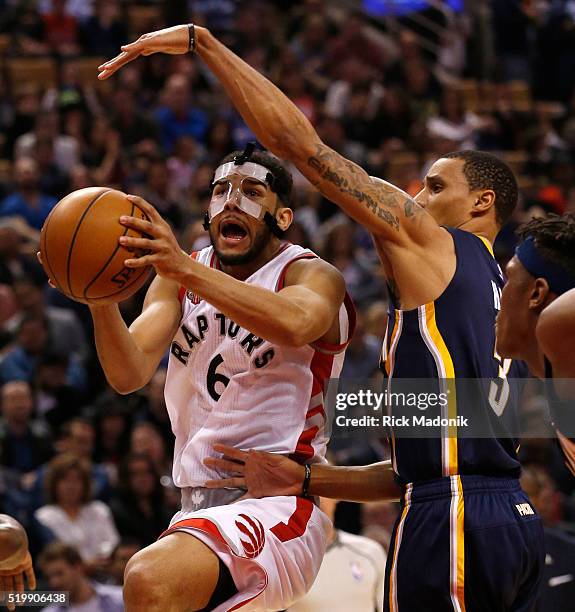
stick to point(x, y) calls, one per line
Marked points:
point(143, 587)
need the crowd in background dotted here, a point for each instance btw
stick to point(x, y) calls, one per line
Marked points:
point(83, 465)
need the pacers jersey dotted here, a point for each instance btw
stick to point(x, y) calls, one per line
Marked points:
point(454, 337)
point(227, 385)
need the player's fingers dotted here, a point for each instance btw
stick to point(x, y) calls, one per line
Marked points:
point(226, 483)
point(140, 262)
point(223, 464)
point(137, 243)
point(152, 213)
point(39, 257)
point(142, 225)
point(231, 452)
point(19, 582)
point(31, 578)
point(108, 69)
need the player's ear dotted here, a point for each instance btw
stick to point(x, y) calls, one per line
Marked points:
point(484, 201)
point(539, 297)
point(284, 217)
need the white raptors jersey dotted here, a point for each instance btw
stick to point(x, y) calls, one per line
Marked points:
point(227, 385)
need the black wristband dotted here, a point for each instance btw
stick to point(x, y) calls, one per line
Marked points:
point(192, 38)
point(306, 479)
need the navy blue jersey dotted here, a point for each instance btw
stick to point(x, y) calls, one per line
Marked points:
point(454, 337)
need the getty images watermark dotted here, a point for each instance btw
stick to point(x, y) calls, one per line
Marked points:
point(436, 408)
point(388, 400)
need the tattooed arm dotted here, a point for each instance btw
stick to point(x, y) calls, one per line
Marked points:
point(417, 254)
point(281, 127)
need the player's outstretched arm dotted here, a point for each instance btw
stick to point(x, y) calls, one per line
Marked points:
point(280, 126)
point(302, 312)
point(130, 356)
point(266, 474)
point(15, 561)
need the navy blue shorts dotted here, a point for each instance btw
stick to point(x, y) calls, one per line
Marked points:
point(465, 543)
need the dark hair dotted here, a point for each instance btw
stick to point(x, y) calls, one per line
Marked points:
point(125, 482)
point(59, 468)
point(59, 551)
point(68, 426)
point(485, 171)
point(283, 179)
point(554, 237)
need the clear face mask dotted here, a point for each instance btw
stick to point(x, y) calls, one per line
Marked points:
point(252, 175)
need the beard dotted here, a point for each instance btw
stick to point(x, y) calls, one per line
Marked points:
point(261, 240)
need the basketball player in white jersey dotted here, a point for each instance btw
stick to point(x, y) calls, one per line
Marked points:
point(255, 327)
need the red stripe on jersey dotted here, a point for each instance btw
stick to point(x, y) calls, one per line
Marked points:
point(352, 320)
point(297, 523)
point(182, 290)
point(304, 449)
point(317, 410)
point(320, 367)
point(282, 276)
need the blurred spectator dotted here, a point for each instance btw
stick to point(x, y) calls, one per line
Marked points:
point(27, 201)
point(64, 570)
point(112, 430)
point(72, 515)
point(351, 574)
point(139, 508)
point(558, 587)
point(153, 406)
point(15, 260)
point(158, 191)
point(377, 519)
point(61, 29)
point(47, 128)
point(57, 401)
point(176, 116)
point(361, 359)
point(147, 440)
point(24, 442)
point(105, 32)
point(341, 251)
point(133, 125)
point(65, 333)
point(32, 341)
point(123, 552)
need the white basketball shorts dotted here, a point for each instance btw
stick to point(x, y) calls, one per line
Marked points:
point(273, 547)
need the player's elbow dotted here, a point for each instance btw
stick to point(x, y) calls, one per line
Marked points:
point(125, 386)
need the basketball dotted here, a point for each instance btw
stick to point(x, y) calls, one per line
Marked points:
point(80, 250)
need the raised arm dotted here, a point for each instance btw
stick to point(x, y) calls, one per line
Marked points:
point(279, 125)
point(130, 356)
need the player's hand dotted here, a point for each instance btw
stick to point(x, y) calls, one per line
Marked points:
point(161, 246)
point(568, 447)
point(174, 41)
point(12, 580)
point(261, 474)
point(39, 256)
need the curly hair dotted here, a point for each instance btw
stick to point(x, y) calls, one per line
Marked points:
point(485, 171)
point(283, 178)
point(554, 237)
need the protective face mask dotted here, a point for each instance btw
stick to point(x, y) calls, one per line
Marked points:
point(250, 172)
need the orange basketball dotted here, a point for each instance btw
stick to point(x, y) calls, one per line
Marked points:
point(80, 250)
